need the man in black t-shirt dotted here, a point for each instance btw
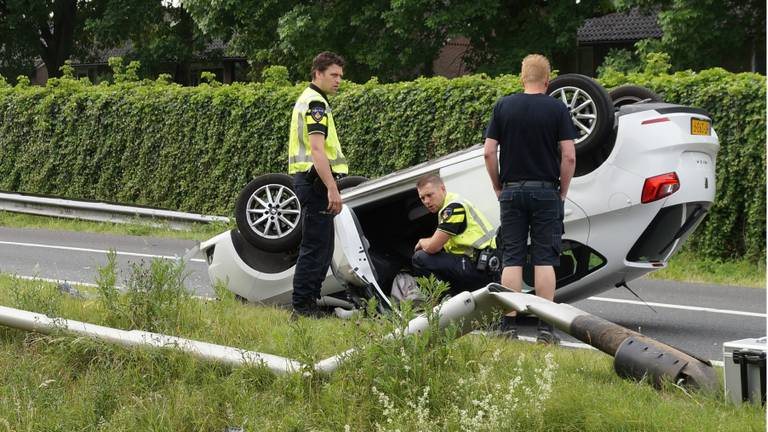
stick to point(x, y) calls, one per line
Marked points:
point(538, 158)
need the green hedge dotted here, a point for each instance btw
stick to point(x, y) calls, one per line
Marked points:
point(193, 148)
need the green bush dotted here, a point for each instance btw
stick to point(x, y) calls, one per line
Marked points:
point(194, 148)
point(277, 75)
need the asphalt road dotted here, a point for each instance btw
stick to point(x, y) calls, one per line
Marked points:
point(695, 317)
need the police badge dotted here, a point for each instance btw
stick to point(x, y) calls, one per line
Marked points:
point(446, 214)
point(317, 113)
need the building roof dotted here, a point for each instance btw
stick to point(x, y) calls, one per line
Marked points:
point(628, 26)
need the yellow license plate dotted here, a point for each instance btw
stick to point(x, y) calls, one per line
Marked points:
point(699, 127)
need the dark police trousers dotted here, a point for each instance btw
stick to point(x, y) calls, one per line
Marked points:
point(458, 270)
point(317, 240)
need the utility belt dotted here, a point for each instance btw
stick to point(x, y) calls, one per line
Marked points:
point(532, 183)
point(317, 183)
point(487, 260)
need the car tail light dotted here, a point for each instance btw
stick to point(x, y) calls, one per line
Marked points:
point(660, 186)
point(655, 120)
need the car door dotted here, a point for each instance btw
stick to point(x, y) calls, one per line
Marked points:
point(352, 265)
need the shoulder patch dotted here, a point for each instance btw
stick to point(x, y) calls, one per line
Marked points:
point(317, 113)
point(446, 214)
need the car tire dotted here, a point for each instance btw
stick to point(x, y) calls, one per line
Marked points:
point(268, 213)
point(276, 191)
point(630, 94)
point(590, 106)
point(350, 182)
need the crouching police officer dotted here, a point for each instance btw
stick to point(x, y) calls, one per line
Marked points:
point(316, 162)
point(462, 249)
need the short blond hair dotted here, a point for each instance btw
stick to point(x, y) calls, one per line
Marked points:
point(430, 178)
point(535, 69)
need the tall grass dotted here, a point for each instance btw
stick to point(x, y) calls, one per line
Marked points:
point(427, 383)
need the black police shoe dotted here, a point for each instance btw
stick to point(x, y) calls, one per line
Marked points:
point(307, 311)
point(547, 337)
point(547, 334)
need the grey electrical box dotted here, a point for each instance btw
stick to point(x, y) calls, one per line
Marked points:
point(744, 370)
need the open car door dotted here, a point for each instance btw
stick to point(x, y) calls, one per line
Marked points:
point(352, 265)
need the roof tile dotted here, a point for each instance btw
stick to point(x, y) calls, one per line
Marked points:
point(620, 27)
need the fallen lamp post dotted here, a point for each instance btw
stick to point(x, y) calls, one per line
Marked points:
point(636, 356)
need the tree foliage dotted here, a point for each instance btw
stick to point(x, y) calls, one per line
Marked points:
point(699, 34)
point(51, 30)
point(393, 39)
point(510, 30)
point(57, 30)
point(160, 33)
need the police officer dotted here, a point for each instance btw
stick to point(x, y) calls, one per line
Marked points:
point(316, 162)
point(453, 251)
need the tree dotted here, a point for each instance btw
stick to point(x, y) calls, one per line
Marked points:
point(160, 34)
point(249, 27)
point(391, 39)
point(699, 34)
point(376, 37)
point(513, 29)
point(57, 30)
point(48, 29)
point(16, 57)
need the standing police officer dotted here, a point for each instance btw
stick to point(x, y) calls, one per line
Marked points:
point(462, 234)
point(316, 162)
point(538, 158)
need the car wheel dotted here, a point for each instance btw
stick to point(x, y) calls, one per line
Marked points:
point(590, 106)
point(630, 94)
point(268, 213)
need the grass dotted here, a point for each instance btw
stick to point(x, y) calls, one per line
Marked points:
point(429, 383)
point(687, 267)
point(196, 231)
point(684, 267)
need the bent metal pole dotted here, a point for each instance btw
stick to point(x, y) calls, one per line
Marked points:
point(40, 323)
point(455, 310)
point(635, 355)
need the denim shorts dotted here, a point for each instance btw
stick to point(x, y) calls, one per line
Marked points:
point(535, 210)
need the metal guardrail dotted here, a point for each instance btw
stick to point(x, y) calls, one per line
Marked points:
point(101, 211)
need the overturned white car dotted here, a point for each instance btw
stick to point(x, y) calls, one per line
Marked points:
point(645, 178)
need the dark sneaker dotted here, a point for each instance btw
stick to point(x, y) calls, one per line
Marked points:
point(547, 337)
point(308, 312)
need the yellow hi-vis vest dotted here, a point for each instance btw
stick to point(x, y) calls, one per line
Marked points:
point(299, 149)
point(479, 233)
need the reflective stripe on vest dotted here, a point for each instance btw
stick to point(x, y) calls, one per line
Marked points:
point(299, 151)
point(479, 233)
